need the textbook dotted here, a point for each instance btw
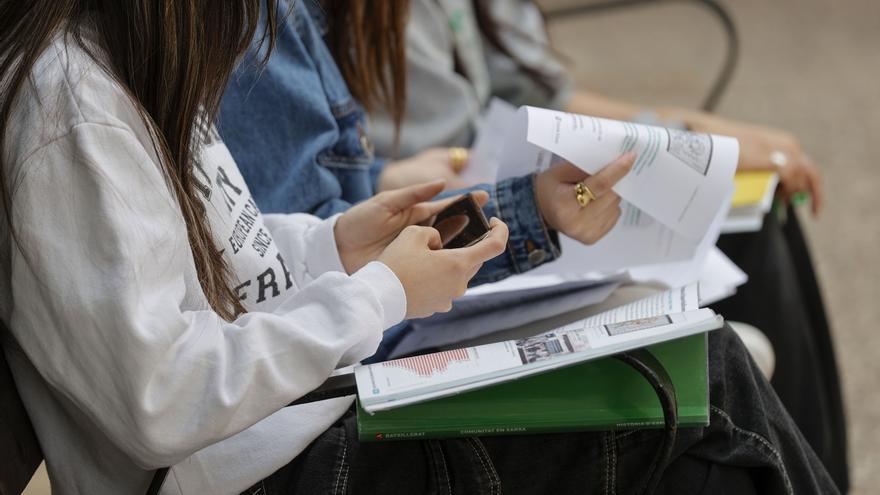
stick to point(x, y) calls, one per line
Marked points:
point(413, 380)
point(604, 394)
point(752, 199)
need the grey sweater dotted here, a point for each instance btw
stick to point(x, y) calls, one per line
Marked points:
point(443, 104)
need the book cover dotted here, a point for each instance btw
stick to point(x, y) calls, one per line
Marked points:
point(596, 395)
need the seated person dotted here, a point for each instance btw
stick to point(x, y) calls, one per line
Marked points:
point(158, 319)
point(459, 54)
point(300, 139)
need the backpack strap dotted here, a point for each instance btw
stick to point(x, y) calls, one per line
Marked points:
point(653, 371)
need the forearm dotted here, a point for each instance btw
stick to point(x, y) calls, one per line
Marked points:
point(109, 315)
point(700, 121)
point(761, 148)
point(589, 103)
point(757, 142)
point(597, 105)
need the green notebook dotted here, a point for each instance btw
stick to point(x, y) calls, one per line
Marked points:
point(603, 394)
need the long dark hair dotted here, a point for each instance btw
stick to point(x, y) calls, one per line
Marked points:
point(174, 58)
point(368, 41)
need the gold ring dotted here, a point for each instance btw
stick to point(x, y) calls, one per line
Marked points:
point(458, 158)
point(583, 194)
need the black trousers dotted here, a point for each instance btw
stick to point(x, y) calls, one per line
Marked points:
point(750, 446)
point(782, 298)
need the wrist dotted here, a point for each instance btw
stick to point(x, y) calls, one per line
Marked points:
point(347, 253)
point(386, 178)
point(321, 253)
point(538, 187)
point(533, 241)
point(389, 291)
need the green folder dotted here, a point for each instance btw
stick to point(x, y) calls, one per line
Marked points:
point(604, 394)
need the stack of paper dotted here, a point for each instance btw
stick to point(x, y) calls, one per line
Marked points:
point(412, 380)
point(752, 200)
point(717, 275)
point(516, 301)
point(675, 201)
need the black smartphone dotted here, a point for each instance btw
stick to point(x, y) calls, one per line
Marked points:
point(462, 223)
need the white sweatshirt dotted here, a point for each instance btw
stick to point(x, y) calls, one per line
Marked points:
point(121, 363)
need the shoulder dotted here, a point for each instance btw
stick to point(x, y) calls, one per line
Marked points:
point(429, 30)
point(67, 88)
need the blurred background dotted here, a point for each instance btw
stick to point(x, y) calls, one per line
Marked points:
point(811, 67)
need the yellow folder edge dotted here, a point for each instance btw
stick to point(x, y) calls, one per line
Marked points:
point(752, 187)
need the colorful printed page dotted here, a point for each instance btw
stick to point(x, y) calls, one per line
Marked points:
point(411, 380)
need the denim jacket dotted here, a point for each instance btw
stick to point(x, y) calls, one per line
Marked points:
point(301, 142)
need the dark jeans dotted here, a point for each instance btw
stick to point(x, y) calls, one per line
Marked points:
point(751, 446)
point(782, 298)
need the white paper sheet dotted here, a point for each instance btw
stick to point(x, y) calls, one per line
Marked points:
point(637, 239)
point(646, 250)
point(396, 383)
point(495, 130)
point(515, 143)
point(676, 300)
point(677, 274)
point(680, 178)
point(720, 279)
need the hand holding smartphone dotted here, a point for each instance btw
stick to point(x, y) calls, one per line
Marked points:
point(462, 223)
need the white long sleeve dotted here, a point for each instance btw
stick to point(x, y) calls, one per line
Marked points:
point(105, 303)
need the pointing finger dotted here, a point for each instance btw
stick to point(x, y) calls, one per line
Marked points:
point(606, 178)
point(427, 210)
point(407, 197)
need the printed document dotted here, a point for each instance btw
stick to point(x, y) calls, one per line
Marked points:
point(664, 317)
point(658, 224)
point(680, 178)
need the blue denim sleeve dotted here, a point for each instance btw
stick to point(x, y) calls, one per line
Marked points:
point(531, 242)
point(293, 128)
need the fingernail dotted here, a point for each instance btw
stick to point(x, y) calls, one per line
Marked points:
point(629, 155)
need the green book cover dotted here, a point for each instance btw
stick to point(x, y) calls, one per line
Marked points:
point(597, 395)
